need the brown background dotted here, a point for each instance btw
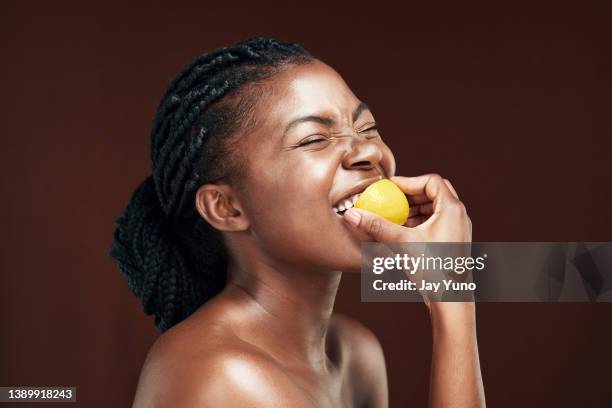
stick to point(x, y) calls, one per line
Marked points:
point(511, 102)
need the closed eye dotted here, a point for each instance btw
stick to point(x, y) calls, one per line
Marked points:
point(372, 132)
point(313, 141)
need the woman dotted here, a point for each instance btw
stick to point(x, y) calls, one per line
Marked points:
point(236, 245)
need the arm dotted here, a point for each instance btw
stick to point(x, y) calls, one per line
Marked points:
point(455, 368)
point(437, 215)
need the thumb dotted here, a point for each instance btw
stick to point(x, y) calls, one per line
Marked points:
point(376, 226)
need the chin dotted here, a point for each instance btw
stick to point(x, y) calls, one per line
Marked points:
point(353, 270)
point(352, 253)
point(351, 262)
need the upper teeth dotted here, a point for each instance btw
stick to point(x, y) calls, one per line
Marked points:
point(347, 203)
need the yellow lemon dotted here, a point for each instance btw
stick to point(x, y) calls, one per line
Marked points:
point(385, 199)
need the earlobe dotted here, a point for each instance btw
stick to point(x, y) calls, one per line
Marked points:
point(220, 207)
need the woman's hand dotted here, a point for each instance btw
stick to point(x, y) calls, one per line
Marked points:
point(436, 214)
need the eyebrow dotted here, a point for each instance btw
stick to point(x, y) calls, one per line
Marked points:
point(324, 120)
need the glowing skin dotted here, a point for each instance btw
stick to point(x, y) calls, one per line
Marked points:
point(270, 339)
point(295, 176)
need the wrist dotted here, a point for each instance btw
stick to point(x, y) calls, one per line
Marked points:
point(452, 317)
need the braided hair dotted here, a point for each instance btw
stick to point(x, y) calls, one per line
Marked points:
point(172, 259)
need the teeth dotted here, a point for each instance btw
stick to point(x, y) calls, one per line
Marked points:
point(346, 204)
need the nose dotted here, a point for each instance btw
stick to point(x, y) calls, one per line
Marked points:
point(363, 154)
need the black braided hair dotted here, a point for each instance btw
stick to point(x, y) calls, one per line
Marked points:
point(172, 259)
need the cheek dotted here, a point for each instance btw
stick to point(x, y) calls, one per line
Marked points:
point(288, 207)
point(290, 213)
point(287, 199)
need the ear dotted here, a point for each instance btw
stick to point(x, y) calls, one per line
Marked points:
point(220, 207)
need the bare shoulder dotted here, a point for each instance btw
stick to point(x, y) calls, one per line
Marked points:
point(366, 359)
point(187, 370)
point(353, 331)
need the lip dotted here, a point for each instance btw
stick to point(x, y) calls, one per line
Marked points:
point(357, 188)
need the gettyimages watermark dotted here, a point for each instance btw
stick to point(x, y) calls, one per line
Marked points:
point(487, 271)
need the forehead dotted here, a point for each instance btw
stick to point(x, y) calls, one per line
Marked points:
point(313, 88)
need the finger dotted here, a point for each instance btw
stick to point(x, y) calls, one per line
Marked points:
point(416, 221)
point(424, 209)
point(451, 188)
point(432, 185)
point(378, 228)
point(418, 199)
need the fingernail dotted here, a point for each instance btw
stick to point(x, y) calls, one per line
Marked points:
point(353, 217)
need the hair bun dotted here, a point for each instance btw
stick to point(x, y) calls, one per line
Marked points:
point(141, 250)
point(140, 225)
point(166, 264)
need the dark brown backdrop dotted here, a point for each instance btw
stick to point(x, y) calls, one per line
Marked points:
point(511, 102)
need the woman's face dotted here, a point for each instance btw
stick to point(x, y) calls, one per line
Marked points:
point(315, 146)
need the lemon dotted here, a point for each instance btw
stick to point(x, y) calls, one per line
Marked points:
point(385, 199)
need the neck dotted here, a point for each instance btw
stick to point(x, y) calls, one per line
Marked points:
point(294, 305)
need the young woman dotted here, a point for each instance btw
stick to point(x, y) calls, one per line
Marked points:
point(234, 245)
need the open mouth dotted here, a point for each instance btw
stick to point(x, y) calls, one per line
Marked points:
point(343, 205)
point(349, 200)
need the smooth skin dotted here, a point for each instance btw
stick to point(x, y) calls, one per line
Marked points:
point(270, 338)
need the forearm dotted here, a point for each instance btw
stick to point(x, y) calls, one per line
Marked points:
point(456, 380)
